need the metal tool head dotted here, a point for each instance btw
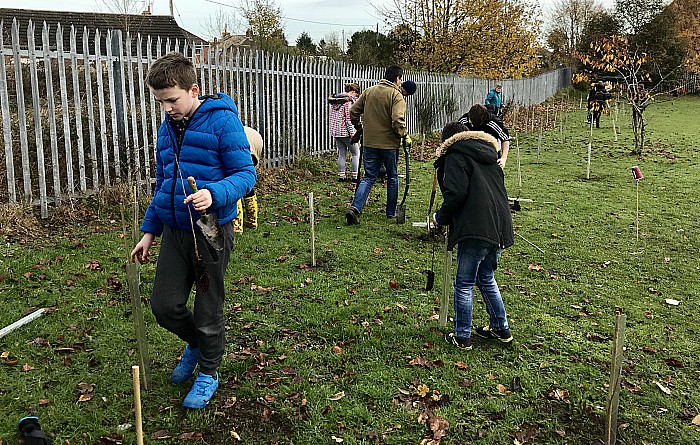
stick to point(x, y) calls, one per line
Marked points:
point(209, 225)
point(401, 214)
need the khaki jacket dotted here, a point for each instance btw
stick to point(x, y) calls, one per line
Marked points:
point(383, 111)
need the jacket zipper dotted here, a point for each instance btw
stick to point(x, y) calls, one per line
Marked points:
point(178, 144)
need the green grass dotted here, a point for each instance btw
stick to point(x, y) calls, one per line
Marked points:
point(284, 319)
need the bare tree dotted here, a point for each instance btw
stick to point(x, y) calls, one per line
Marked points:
point(567, 20)
point(221, 22)
point(635, 14)
point(127, 9)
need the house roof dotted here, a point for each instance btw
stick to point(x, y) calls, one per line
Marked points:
point(163, 26)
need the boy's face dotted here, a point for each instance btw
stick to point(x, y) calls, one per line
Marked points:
point(178, 102)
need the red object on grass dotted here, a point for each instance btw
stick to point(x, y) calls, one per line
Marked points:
point(637, 173)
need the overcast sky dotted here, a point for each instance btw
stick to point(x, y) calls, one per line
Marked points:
point(320, 18)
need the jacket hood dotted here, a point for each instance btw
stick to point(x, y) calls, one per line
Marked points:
point(338, 100)
point(485, 138)
point(218, 101)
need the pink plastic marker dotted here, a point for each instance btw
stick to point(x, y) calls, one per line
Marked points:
point(637, 173)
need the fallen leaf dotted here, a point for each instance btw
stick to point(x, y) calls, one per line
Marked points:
point(235, 435)
point(461, 365)
point(558, 394)
point(337, 350)
point(377, 250)
point(423, 390)
point(190, 436)
point(535, 267)
point(439, 427)
point(502, 390)
point(649, 350)
point(26, 368)
point(664, 389)
point(464, 383)
point(161, 434)
point(696, 420)
point(337, 439)
point(337, 396)
point(85, 397)
point(674, 363)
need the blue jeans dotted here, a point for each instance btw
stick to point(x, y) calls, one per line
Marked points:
point(372, 160)
point(477, 260)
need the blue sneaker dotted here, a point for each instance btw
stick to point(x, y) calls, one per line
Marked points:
point(185, 369)
point(202, 391)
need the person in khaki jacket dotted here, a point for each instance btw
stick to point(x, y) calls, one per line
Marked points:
point(248, 206)
point(383, 110)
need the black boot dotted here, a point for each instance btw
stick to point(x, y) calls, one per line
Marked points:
point(33, 434)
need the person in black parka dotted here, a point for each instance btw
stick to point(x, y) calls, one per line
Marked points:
point(475, 207)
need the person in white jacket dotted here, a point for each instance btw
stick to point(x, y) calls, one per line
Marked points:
point(248, 206)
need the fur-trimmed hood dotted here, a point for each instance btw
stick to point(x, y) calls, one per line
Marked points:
point(467, 136)
point(338, 100)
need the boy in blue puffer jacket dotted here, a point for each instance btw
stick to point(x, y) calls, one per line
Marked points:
point(202, 137)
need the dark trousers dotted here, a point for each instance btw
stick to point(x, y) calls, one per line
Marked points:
point(202, 328)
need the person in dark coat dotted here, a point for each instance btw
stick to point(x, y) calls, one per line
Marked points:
point(599, 103)
point(476, 210)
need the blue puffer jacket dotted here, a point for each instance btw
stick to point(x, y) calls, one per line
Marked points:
point(215, 151)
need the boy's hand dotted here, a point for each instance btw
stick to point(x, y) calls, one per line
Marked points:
point(141, 251)
point(502, 162)
point(201, 200)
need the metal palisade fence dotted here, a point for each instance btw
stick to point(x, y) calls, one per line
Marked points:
point(78, 116)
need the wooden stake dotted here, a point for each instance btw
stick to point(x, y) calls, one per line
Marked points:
point(446, 285)
point(133, 277)
point(517, 158)
point(313, 235)
point(137, 404)
point(539, 144)
point(590, 137)
point(613, 401)
point(637, 181)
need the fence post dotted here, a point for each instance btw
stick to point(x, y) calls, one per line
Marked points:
point(339, 88)
point(119, 98)
point(260, 117)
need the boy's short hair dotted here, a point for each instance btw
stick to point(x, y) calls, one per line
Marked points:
point(171, 70)
point(352, 87)
point(392, 73)
point(451, 129)
point(478, 116)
